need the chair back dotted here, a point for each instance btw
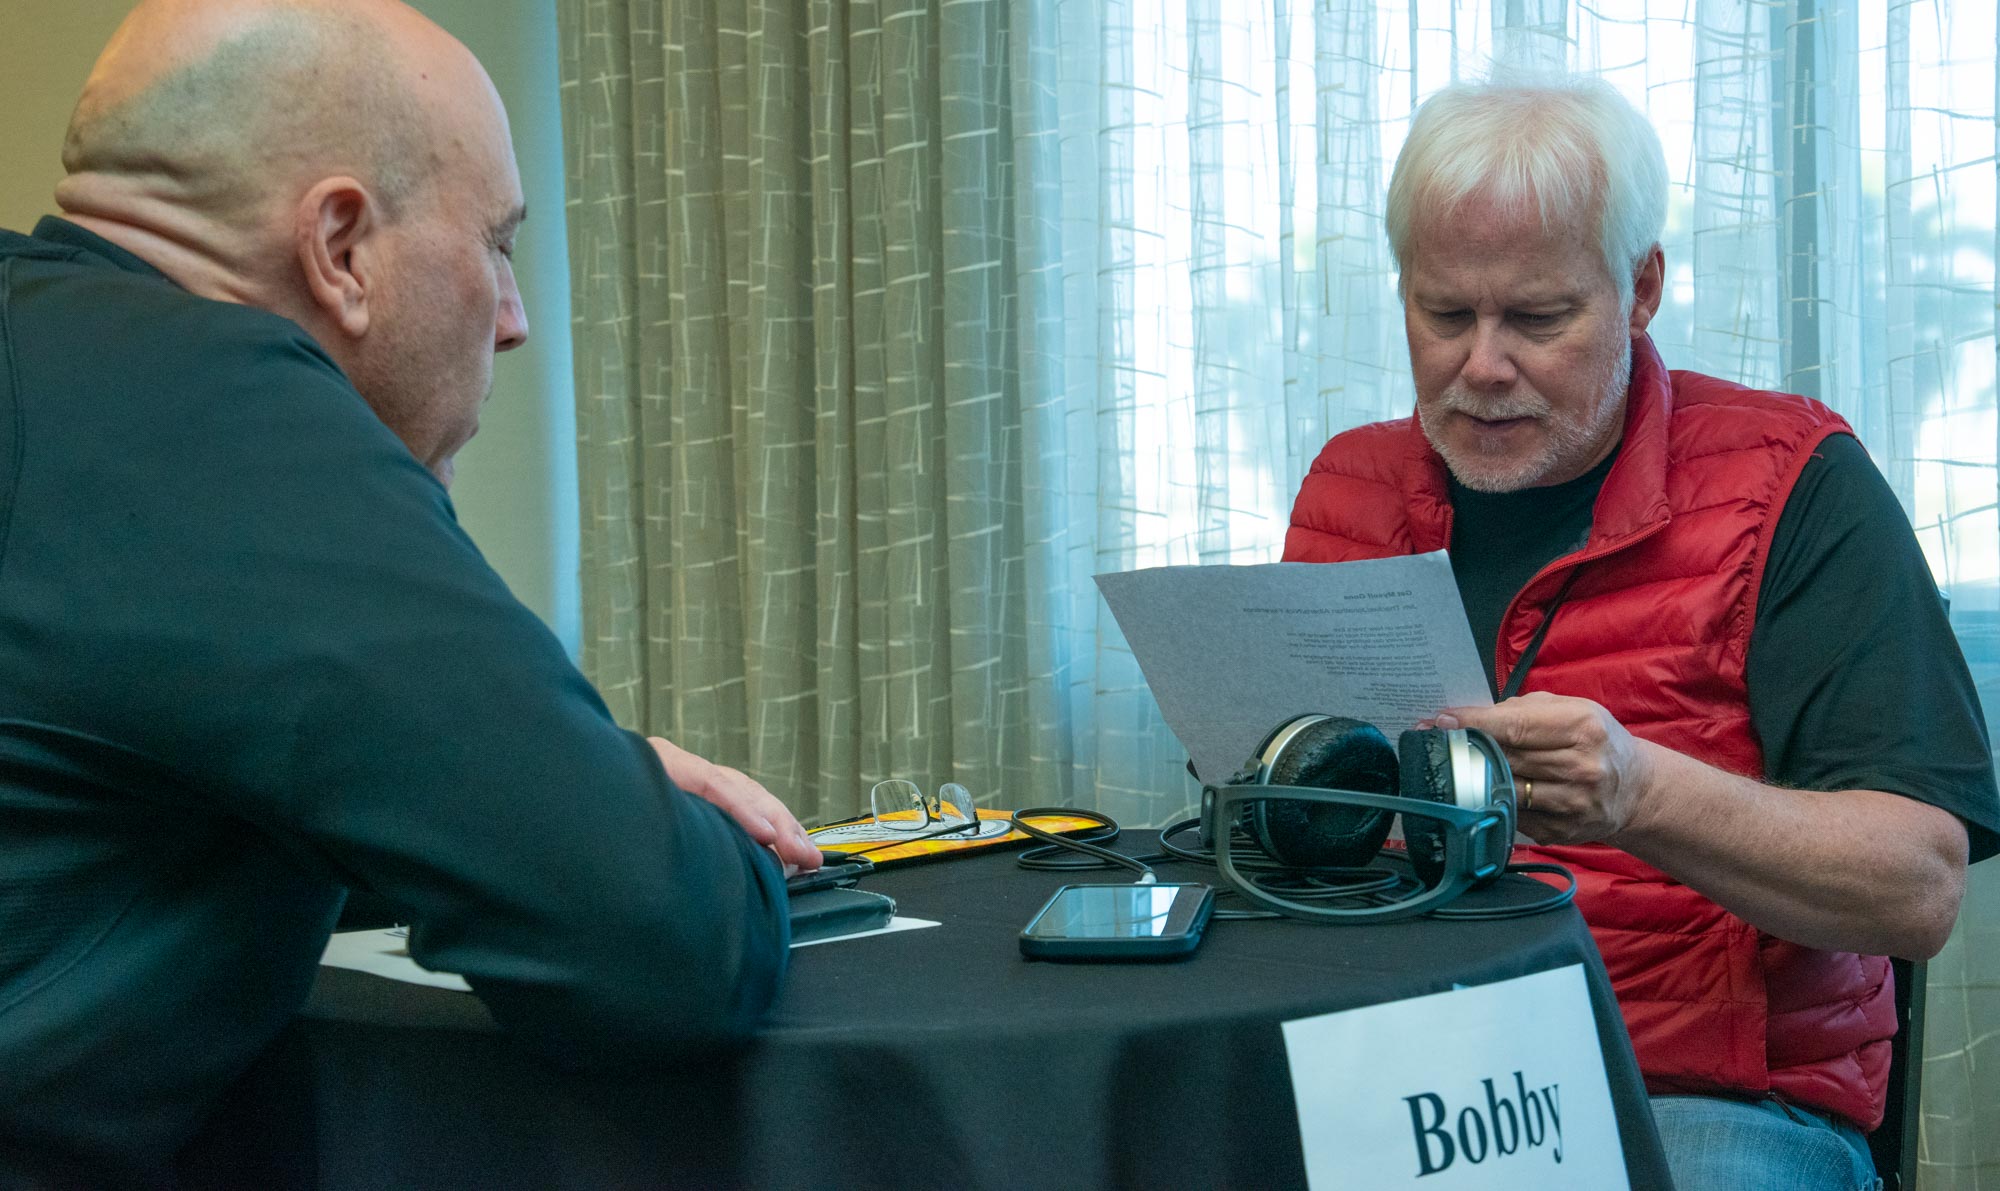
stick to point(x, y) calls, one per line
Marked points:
point(1894, 1144)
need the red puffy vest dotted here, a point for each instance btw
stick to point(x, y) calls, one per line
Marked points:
point(1657, 630)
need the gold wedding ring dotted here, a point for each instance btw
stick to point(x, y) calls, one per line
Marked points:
point(1527, 793)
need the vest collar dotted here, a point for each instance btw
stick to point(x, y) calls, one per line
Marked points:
point(1633, 501)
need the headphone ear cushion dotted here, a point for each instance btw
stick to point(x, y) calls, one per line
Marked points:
point(1425, 756)
point(1335, 753)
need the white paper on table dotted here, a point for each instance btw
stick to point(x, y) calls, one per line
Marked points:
point(898, 923)
point(1231, 652)
point(386, 952)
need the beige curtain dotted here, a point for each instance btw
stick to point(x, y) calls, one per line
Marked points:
point(798, 405)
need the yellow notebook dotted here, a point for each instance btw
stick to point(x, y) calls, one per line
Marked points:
point(867, 837)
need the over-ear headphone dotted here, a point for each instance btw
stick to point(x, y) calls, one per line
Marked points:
point(1322, 790)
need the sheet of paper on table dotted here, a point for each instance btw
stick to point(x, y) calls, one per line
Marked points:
point(386, 952)
point(1231, 652)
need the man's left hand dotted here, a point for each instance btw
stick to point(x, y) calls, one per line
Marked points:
point(745, 800)
point(1843, 870)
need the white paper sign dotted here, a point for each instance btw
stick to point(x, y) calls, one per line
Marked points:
point(1232, 652)
point(1488, 1088)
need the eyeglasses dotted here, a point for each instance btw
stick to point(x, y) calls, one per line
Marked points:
point(902, 806)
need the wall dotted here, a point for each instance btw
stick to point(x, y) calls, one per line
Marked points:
point(516, 486)
point(46, 48)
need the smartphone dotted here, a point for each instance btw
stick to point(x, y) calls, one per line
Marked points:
point(828, 876)
point(1114, 922)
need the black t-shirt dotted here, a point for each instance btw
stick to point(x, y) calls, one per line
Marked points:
point(1855, 679)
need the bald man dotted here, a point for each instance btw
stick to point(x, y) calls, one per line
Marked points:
point(247, 658)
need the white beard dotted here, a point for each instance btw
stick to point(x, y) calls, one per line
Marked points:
point(1567, 442)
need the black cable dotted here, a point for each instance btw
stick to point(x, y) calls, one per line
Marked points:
point(1371, 885)
point(1321, 881)
point(1360, 874)
point(1330, 883)
point(1168, 846)
point(1050, 858)
point(1555, 900)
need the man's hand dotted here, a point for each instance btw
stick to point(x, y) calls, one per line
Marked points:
point(755, 809)
point(1844, 870)
point(1590, 774)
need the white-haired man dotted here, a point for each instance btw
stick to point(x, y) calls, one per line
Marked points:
point(1746, 725)
point(249, 658)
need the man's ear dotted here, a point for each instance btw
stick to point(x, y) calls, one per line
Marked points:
point(1648, 282)
point(334, 236)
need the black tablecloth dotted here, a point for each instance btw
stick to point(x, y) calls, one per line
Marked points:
point(930, 1058)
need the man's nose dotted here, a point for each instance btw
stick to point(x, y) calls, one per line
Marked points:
point(1489, 362)
point(510, 328)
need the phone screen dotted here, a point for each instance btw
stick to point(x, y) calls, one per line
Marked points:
point(1118, 912)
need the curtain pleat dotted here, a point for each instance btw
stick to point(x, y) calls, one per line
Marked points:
point(911, 421)
point(1734, 247)
point(1056, 616)
point(844, 751)
point(692, 313)
point(983, 466)
point(776, 448)
point(1345, 368)
point(871, 353)
point(598, 74)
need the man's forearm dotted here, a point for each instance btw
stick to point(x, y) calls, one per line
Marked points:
point(1845, 870)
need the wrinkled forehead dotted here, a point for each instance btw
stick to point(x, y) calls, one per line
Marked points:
point(1493, 234)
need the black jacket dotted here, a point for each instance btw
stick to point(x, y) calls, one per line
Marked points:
point(248, 660)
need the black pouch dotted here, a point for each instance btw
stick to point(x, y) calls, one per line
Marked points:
point(824, 913)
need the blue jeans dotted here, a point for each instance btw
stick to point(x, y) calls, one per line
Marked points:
point(1714, 1144)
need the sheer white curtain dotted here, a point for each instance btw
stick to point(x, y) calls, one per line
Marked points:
point(1206, 296)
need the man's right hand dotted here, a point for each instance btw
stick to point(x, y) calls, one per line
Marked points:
point(1590, 775)
point(755, 809)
